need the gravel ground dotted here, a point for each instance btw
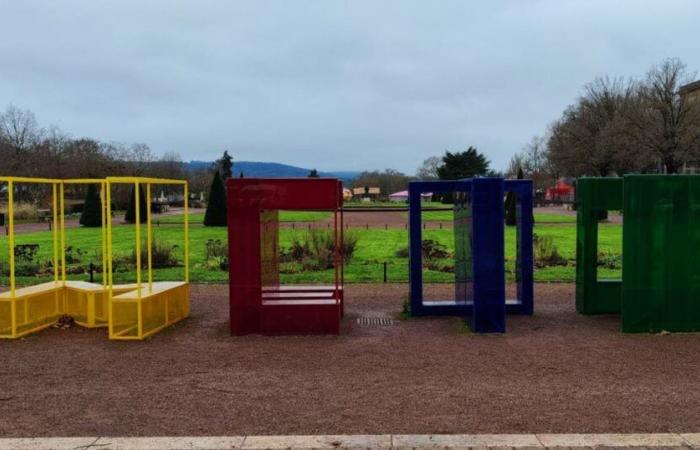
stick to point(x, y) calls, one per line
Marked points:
point(554, 372)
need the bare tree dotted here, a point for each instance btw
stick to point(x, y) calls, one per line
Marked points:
point(534, 161)
point(592, 136)
point(20, 132)
point(665, 123)
point(428, 168)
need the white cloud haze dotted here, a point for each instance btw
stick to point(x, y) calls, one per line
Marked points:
point(326, 84)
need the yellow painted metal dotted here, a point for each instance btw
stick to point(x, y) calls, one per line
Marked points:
point(25, 310)
point(142, 312)
point(11, 231)
point(63, 235)
point(129, 312)
point(149, 237)
point(144, 180)
point(110, 279)
point(137, 224)
point(30, 180)
point(105, 218)
point(55, 232)
point(187, 234)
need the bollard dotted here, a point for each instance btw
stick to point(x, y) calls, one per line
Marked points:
point(385, 277)
point(386, 227)
point(441, 225)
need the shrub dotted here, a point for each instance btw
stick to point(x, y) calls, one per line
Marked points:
point(430, 248)
point(74, 255)
point(609, 260)
point(162, 255)
point(314, 250)
point(402, 252)
point(546, 253)
point(92, 210)
point(433, 249)
point(217, 253)
point(22, 211)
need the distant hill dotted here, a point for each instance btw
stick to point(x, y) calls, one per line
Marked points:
point(273, 170)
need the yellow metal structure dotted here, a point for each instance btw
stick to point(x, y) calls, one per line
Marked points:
point(152, 306)
point(132, 311)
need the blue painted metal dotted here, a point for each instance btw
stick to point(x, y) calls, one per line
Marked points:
point(524, 265)
point(479, 251)
point(489, 311)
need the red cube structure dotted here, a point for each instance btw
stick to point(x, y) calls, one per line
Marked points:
point(258, 303)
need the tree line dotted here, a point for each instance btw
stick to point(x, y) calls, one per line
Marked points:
point(28, 149)
point(620, 126)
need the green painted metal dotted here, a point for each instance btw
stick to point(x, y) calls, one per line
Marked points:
point(661, 248)
point(593, 195)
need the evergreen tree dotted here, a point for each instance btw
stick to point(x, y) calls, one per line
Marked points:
point(467, 164)
point(215, 215)
point(226, 166)
point(130, 216)
point(313, 174)
point(92, 209)
point(511, 204)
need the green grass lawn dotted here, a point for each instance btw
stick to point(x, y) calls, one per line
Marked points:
point(375, 247)
point(447, 216)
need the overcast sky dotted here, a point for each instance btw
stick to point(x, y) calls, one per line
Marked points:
point(328, 84)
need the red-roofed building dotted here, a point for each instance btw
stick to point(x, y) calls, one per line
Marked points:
point(562, 191)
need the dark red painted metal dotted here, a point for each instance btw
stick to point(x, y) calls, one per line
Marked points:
point(258, 303)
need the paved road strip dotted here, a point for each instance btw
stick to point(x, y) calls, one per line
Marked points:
point(404, 441)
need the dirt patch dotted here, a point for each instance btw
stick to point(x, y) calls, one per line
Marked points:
point(554, 372)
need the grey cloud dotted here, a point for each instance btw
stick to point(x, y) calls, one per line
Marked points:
point(328, 84)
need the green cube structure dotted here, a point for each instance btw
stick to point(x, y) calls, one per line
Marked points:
point(593, 197)
point(660, 287)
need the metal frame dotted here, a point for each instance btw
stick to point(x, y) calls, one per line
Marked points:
point(594, 196)
point(487, 305)
point(659, 288)
point(137, 182)
point(59, 245)
point(257, 303)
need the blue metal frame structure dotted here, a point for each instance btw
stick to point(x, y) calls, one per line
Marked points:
point(479, 236)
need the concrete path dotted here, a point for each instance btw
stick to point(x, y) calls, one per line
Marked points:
point(501, 441)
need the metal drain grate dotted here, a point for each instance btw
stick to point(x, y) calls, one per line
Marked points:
point(375, 321)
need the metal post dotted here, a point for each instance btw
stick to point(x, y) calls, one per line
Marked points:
point(137, 204)
point(105, 218)
point(63, 234)
point(108, 246)
point(55, 233)
point(11, 232)
point(385, 277)
point(149, 237)
point(187, 234)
